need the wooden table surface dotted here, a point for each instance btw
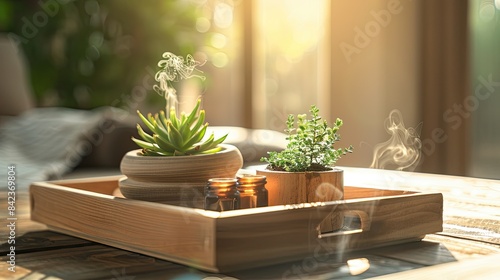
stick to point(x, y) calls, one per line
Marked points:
point(468, 247)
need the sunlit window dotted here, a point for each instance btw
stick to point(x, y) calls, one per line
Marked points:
point(290, 60)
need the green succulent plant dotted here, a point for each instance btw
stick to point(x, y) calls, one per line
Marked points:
point(177, 136)
point(310, 145)
point(174, 134)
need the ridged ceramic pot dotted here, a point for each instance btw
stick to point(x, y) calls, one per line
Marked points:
point(177, 180)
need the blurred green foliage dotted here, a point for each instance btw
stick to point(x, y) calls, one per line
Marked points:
point(87, 53)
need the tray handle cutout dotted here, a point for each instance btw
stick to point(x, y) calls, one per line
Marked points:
point(343, 222)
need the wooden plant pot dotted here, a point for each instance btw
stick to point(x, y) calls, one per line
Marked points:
point(286, 188)
point(302, 187)
point(176, 180)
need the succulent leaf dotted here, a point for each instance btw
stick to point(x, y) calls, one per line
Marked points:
point(212, 151)
point(144, 135)
point(196, 138)
point(173, 118)
point(176, 135)
point(147, 152)
point(199, 122)
point(146, 121)
point(163, 118)
point(145, 145)
point(151, 119)
point(192, 116)
point(165, 146)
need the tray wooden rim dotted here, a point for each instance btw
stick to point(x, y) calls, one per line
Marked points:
point(61, 185)
point(218, 223)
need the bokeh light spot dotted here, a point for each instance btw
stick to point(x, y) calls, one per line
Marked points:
point(220, 59)
point(96, 39)
point(223, 15)
point(92, 53)
point(202, 24)
point(218, 40)
point(86, 67)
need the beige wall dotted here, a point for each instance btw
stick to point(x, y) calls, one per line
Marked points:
point(362, 88)
point(380, 75)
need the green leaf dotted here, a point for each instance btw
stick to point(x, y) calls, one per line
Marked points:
point(175, 136)
point(310, 144)
point(173, 118)
point(196, 138)
point(144, 135)
point(146, 145)
point(146, 121)
point(165, 146)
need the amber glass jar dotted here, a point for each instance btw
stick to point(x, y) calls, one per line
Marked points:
point(221, 194)
point(253, 192)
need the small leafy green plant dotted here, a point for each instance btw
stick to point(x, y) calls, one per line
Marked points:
point(310, 145)
point(174, 134)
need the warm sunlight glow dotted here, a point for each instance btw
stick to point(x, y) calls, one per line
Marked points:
point(487, 9)
point(497, 4)
point(291, 60)
point(358, 266)
point(223, 15)
point(220, 59)
point(218, 40)
point(292, 30)
point(202, 24)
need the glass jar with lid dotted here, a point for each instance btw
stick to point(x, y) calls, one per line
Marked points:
point(221, 194)
point(253, 192)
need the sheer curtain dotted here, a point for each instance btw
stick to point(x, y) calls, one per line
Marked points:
point(445, 98)
point(485, 82)
point(292, 56)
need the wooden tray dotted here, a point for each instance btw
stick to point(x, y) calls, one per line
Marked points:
point(225, 241)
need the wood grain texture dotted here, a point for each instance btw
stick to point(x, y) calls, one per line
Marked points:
point(97, 261)
point(392, 220)
point(476, 268)
point(301, 187)
point(22, 214)
point(175, 233)
point(230, 240)
point(89, 262)
point(181, 169)
point(471, 205)
point(464, 248)
point(43, 240)
point(179, 194)
point(353, 265)
point(177, 180)
point(48, 254)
